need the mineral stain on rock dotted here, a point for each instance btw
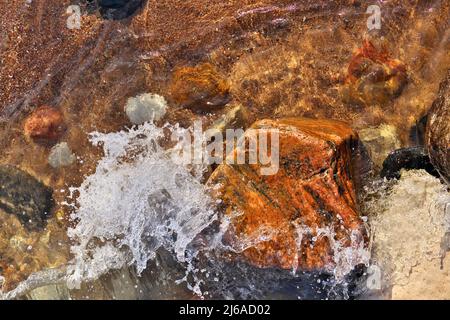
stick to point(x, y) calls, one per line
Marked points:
point(25, 197)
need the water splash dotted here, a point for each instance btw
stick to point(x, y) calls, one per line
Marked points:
point(140, 200)
point(408, 222)
point(137, 201)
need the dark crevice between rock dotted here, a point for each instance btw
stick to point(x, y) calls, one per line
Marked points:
point(409, 159)
point(25, 197)
point(417, 133)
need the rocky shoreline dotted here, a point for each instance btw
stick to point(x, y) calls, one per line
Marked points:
point(361, 176)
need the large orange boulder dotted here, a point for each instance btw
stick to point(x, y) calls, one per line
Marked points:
point(305, 215)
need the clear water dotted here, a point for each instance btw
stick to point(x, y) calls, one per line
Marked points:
point(142, 226)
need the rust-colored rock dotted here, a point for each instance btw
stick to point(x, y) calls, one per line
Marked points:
point(438, 130)
point(46, 124)
point(200, 88)
point(373, 77)
point(295, 218)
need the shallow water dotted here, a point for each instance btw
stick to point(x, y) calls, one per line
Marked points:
point(124, 204)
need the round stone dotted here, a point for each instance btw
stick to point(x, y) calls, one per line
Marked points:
point(45, 124)
point(147, 107)
point(61, 156)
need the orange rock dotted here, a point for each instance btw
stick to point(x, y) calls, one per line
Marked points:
point(373, 77)
point(45, 124)
point(295, 218)
point(200, 88)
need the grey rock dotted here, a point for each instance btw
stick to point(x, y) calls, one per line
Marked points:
point(61, 156)
point(379, 142)
point(25, 197)
point(413, 158)
point(113, 9)
point(118, 9)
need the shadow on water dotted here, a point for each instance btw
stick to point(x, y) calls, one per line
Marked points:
point(242, 281)
point(113, 9)
point(165, 278)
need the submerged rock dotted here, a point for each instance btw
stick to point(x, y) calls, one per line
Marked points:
point(61, 156)
point(235, 117)
point(373, 77)
point(379, 142)
point(116, 9)
point(406, 158)
point(305, 215)
point(200, 88)
point(24, 197)
point(45, 124)
point(438, 131)
point(146, 107)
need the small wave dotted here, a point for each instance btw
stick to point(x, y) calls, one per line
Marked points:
point(137, 201)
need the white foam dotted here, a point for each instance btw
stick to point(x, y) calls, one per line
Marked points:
point(137, 201)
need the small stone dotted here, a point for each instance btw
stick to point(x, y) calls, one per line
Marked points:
point(379, 142)
point(61, 156)
point(373, 77)
point(200, 88)
point(45, 124)
point(25, 197)
point(4, 41)
point(147, 107)
point(438, 130)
